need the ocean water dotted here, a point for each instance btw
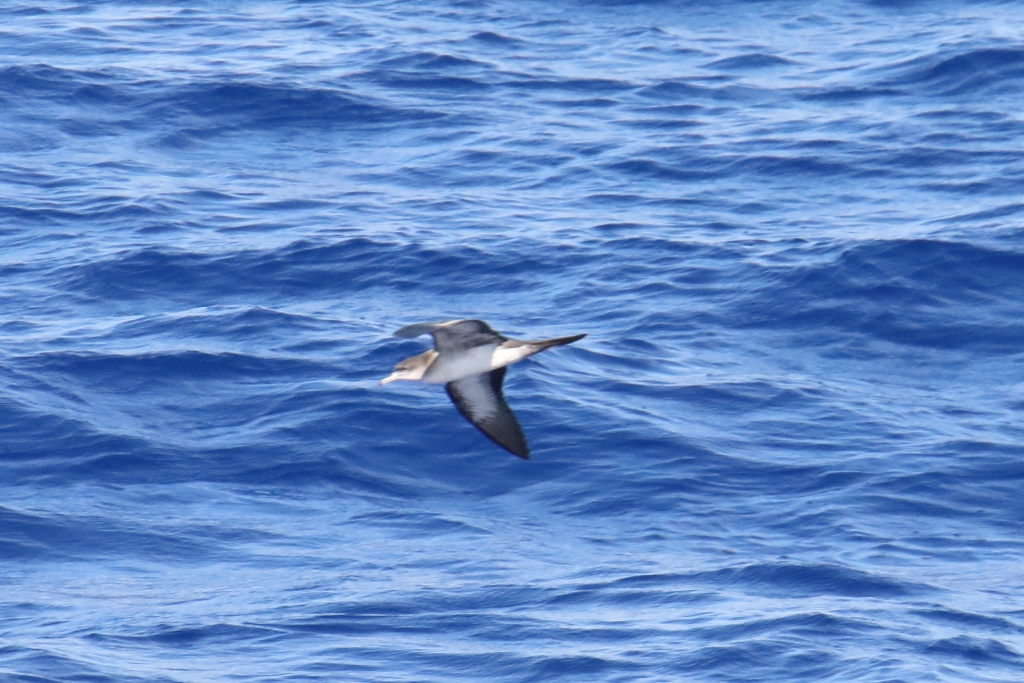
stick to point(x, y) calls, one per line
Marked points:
point(790, 448)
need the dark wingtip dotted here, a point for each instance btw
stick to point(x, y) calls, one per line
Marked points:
point(520, 450)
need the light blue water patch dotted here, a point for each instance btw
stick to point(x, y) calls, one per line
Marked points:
point(789, 448)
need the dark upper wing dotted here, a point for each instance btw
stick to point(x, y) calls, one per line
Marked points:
point(480, 400)
point(454, 335)
point(410, 331)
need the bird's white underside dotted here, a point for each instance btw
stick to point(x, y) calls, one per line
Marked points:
point(475, 361)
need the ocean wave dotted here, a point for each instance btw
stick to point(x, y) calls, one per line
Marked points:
point(789, 442)
point(972, 71)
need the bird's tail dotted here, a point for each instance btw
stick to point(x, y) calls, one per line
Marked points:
point(544, 344)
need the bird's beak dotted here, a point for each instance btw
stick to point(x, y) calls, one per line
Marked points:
point(389, 378)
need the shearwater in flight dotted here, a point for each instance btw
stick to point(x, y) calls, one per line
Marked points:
point(470, 359)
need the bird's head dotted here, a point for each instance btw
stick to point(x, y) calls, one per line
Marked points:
point(411, 369)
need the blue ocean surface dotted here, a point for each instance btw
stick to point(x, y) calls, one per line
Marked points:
point(790, 448)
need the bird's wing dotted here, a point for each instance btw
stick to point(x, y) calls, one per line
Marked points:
point(410, 331)
point(480, 400)
point(454, 335)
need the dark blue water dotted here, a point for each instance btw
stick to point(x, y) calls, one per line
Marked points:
point(790, 448)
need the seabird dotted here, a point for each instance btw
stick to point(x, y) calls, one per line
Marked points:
point(470, 358)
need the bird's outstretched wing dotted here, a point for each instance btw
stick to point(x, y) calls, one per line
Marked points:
point(454, 335)
point(480, 400)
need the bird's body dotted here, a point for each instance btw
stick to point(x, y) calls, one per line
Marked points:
point(470, 359)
